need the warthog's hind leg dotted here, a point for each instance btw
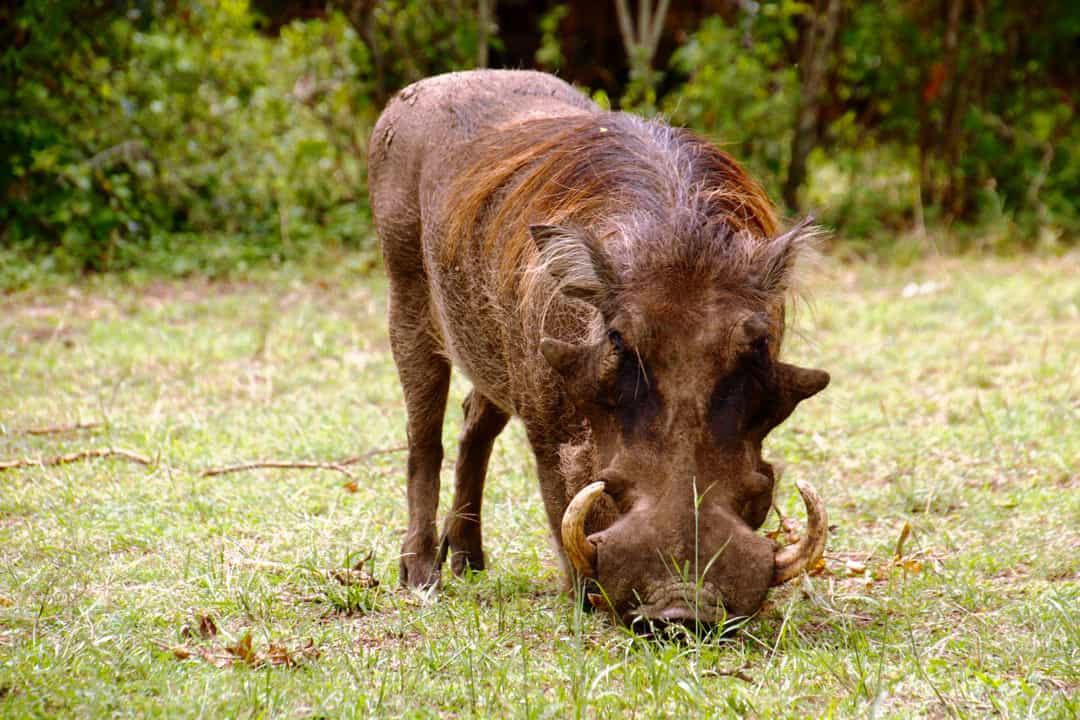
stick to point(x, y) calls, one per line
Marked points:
point(425, 380)
point(462, 536)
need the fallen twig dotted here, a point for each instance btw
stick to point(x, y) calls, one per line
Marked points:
point(76, 457)
point(355, 575)
point(339, 466)
point(739, 673)
point(58, 429)
point(278, 465)
point(372, 453)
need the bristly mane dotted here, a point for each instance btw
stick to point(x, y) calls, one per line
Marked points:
point(650, 193)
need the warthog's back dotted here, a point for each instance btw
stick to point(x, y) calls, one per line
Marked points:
point(417, 144)
point(424, 141)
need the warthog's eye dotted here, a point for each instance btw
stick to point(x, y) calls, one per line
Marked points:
point(759, 351)
point(740, 401)
point(630, 391)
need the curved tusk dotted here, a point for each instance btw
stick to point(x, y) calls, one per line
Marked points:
point(579, 550)
point(792, 560)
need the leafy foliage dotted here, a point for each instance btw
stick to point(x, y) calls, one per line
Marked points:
point(184, 137)
point(743, 95)
point(935, 111)
point(56, 181)
point(187, 140)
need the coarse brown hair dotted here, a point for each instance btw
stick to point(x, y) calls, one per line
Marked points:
point(617, 176)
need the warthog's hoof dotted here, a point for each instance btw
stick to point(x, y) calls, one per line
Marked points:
point(419, 568)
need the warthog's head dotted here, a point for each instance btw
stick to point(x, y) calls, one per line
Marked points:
point(680, 382)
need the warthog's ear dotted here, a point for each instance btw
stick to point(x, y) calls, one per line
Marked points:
point(563, 357)
point(571, 363)
point(774, 260)
point(578, 261)
point(795, 384)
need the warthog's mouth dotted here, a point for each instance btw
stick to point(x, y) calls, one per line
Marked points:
point(694, 605)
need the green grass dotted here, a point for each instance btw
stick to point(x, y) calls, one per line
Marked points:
point(954, 409)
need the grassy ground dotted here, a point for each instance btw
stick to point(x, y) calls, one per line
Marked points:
point(152, 590)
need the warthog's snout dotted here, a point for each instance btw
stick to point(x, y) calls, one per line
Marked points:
point(650, 586)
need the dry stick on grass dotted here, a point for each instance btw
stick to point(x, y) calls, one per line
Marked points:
point(277, 464)
point(58, 429)
point(372, 453)
point(76, 457)
point(340, 466)
point(739, 673)
point(355, 575)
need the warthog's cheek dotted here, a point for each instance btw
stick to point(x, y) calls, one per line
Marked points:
point(619, 568)
point(746, 574)
point(756, 510)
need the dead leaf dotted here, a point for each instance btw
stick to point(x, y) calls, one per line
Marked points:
point(280, 656)
point(854, 567)
point(910, 565)
point(212, 658)
point(277, 655)
point(181, 652)
point(206, 628)
point(792, 531)
point(598, 601)
point(351, 486)
point(5, 601)
point(356, 575)
point(352, 576)
point(789, 529)
point(242, 649)
point(309, 651)
point(905, 533)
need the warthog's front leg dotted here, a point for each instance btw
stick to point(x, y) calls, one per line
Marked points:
point(462, 535)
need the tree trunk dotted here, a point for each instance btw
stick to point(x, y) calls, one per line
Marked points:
point(485, 10)
point(813, 69)
point(954, 94)
point(640, 42)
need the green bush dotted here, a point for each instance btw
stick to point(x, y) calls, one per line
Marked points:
point(250, 136)
point(179, 136)
point(62, 190)
point(899, 149)
point(743, 97)
point(132, 135)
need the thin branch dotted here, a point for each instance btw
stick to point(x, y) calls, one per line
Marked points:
point(340, 466)
point(626, 27)
point(739, 673)
point(279, 465)
point(658, 26)
point(58, 429)
point(76, 457)
point(373, 453)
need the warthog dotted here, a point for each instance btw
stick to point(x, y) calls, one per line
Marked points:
point(617, 284)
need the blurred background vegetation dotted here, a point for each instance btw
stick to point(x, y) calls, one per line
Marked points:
point(207, 137)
